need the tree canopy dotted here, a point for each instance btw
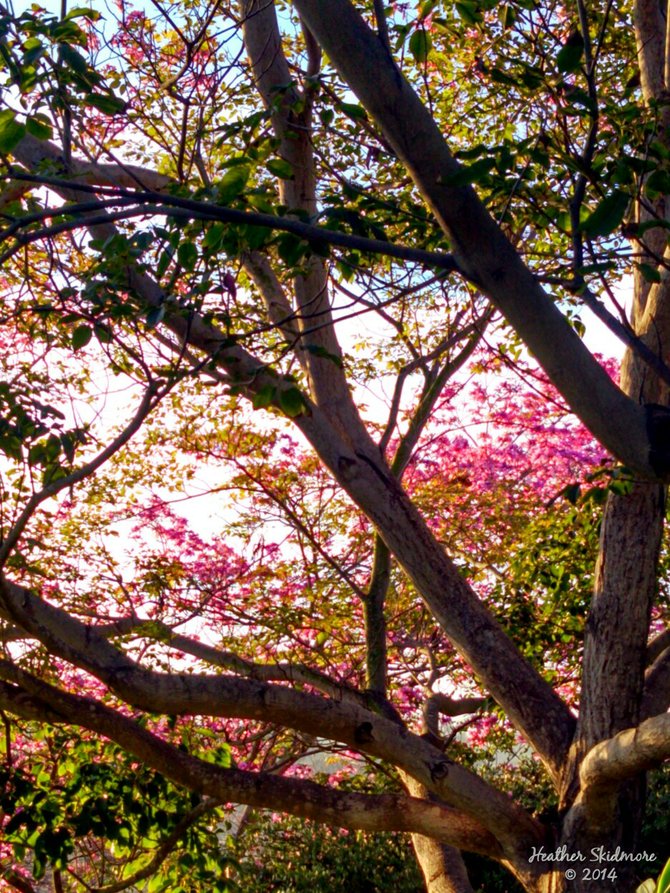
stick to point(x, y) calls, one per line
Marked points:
point(313, 498)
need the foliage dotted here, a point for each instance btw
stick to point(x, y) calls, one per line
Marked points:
point(82, 804)
point(294, 857)
point(301, 451)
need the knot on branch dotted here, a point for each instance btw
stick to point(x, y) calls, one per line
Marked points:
point(347, 468)
point(439, 770)
point(363, 733)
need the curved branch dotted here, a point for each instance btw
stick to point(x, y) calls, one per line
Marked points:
point(36, 700)
point(298, 674)
point(612, 762)
point(439, 704)
point(33, 153)
point(17, 882)
point(225, 696)
point(528, 699)
point(155, 202)
point(157, 631)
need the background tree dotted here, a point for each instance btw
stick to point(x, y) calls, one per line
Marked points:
point(195, 209)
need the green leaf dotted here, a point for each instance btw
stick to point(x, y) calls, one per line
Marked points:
point(507, 15)
point(232, 183)
point(499, 76)
point(264, 397)
point(214, 237)
point(291, 402)
point(639, 229)
point(155, 315)
point(38, 127)
point(532, 77)
point(67, 31)
point(33, 49)
point(318, 351)
point(657, 183)
point(254, 236)
point(11, 132)
point(471, 173)
point(280, 168)
point(81, 336)
point(569, 57)
point(571, 493)
point(664, 879)
point(468, 11)
point(156, 884)
point(164, 261)
point(420, 45)
point(187, 255)
point(649, 273)
point(262, 201)
point(85, 75)
point(81, 12)
point(354, 111)
point(319, 247)
point(105, 103)
point(608, 215)
point(68, 446)
point(291, 248)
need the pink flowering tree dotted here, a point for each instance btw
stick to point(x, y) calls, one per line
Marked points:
point(279, 482)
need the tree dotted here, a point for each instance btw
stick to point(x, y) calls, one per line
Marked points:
point(195, 203)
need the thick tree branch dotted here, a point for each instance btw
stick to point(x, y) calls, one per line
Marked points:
point(528, 700)
point(297, 674)
point(291, 120)
point(17, 882)
point(480, 247)
point(610, 763)
point(197, 694)
point(155, 630)
point(650, 34)
point(439, 704)
point(374, 613)
point(29, 698)
point(279, 309)
point(41, 154)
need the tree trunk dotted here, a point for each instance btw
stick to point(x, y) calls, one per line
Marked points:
point(617, 627)
point(442, 866)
